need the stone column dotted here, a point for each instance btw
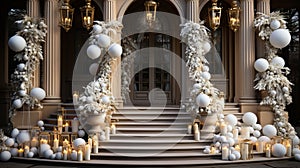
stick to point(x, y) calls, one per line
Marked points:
point(262, 6)
point(244, 79)
point(51, 76)
point(110, 14)
point(192, 12)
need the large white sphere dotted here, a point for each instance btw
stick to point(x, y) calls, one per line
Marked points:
point(5, 156)
point(17, 43)
point(13, 152)
point(105, 99)
point(278, 150)
point(93, 69)
point(97, 29)
point(10, 142)
point(17, 103)
point(261, 65)
point(253, 139)
point(93, 51)
point(58, 156)
point(103, 40)
point(275, 24)
point(297, 157)
point(38, 93)
point(269, 131)
point(23, 137)
point(43, 148)
point(278, 62)
point(21, 66)
point(296, 151)
point(206, 75)
point(280, 38)
point(206, 47)
point(78, 142)
point(15, 132)
point(296, 140)
point(231, 119)
point(264, 139)
point(115, 50)
point(203, 100)
point(47, 154)
point(232, 157)
point(249, 118)
point(237, 154)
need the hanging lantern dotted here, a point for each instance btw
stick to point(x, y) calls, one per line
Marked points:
point(87, 15)
point(214, 15)
point(234, 16)
point(150, 8)
point(66, 15)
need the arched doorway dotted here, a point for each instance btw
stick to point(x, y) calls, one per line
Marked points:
point(154, 70)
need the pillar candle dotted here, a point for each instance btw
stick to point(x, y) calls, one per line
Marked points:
point(26, 151)
point(65, 154)
point(223, 128)
point(237, 148)
point(189, 129)
point(197, 135)
point(67, 127)
point(80, 156)
point(245, 132)
point(235, 133)
point(196, 128)
point(113, 129)
point(95, 144)
point(225, 153)
point(55, 144)
point(20, 152)
point(60, 121)
point(87, 152)
point(74, 155)
point(75, 125)
point(75, 98)
point(244, 152)
point(288, 150)
point(107, 133)
point(268, 152)
point(90, 142)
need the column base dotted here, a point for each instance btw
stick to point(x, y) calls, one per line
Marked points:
point(119, 102)
point(248, 104)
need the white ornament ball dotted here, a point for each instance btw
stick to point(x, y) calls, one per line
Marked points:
point(105, 99)
point(97, 29)
point(251, 130)
point(231, 141)
point(103, 40)
point(59, 149)
point(78, 142)
point(206, 75)
point(59, 156)
point(89, 99)
point(13, 152)
point(16, 145)
point(21, 66)
point(53, 156)
point(38, 93)
point(93, 69)
point(17, 43)
point(205, 68)
point(280, 38)
point(269, 130)
point(229, 128)
point(203, 100)
point(115, 50)
point(81, 133)
point(206, 47)
point(275, 24)
point(249, 118)
point(231, 119)
point(232, 157)
point(229, 134)
point(296, 140)
point(5, 156)
point(278, 62)
point(278, 150)
point(30, 154)
point(285, 89)
point(17, 103)
point(296, 151)
point(206, 151)
point(217, 144)
point(297, 157)
point(256, 133)
point(223, 139)
point(23, 137)
point(237, 154)
point(34, 150)
point(10, 142)
point(253, 139)
point(93, 52)
point(40, 123)
point(197, 86)
point(261, 65)
point(22, 92)
point(43, 148)
point(257, 127)
point(264, 139)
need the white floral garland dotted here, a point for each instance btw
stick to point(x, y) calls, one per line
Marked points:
point(195, 36)
point(273, 80)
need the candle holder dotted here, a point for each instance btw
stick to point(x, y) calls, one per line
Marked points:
point(225, 150)
point(64, 136)
point(44, 137)
point(288, 143)
point(34, 135)
point(55, 133)
point(277, 139)
point(246, 149)
point(268, 146)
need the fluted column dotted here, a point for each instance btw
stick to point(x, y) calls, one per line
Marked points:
point(33, 8)
point(110, 14)
point(262, 6)
point(245, 77)
point(52, 59)
point(193, 10)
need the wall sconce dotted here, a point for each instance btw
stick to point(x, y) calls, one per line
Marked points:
point(234, 16)
point(214, 15)
point(87, 15)
point(66, 15)
point(150, 8)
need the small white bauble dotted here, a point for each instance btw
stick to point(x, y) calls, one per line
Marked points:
point(93, 69)
point(59, 149)
point(206, 151)
point(251, 130)
point(105, 99)
point(261, 65)
point(17, 43)
point(273, 93)
point(97, 29)
point(206, 75)
point(217, 144)
point(264, 139)
point(22, 92)
point(278, 62)
point(221, 116)
point(203, 100)
point(205, 68)
point(297, 157)
point(285, 89)
point(296, 151)
point(16, 145)
point(216, 138)
point(93, 52)
point(278, 150)
point(280, 38)
point(5, 156)
point(17, 103)
point(275, 24)
point(10, 142)
point(206, 47)
point(229, 128)
point(257, 127)
point(30, 154)
point(232, 157)
point(38, 93)
point(223, 138)
point(53, 156)
point(59, 156)
point(249, 118)
point(237, 154)
point(269, 130)
point(42, 128)
point(40, 123)
point(253, 139)
point(231, 119)
point(21, 66)
point(229, 134)
point(14, 152)
point(34, 150)
point(256, 133)
point(81, 133)
point(89, 99)
point(23, 137)
point(115, 50)
point(231, 141)
point(103, 40)
point(78, 142)
point(296, 140)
